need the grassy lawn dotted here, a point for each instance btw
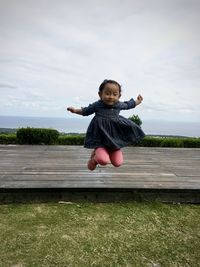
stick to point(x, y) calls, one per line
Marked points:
point(93, 234)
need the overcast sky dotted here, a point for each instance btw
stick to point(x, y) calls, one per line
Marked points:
point(55, 53)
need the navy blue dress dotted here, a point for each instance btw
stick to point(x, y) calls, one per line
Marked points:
point(108, 129)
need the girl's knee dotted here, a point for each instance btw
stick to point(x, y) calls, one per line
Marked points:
point(116, 158)
point(102, 161)
point(102, 156)
point(117, 164)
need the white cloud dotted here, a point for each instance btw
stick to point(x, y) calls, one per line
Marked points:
point(54, 54)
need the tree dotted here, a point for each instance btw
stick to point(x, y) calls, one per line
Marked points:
point(136, 119)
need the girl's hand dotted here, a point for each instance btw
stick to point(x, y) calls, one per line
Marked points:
point(71, 109)
point(139, 100)
point(75, 110)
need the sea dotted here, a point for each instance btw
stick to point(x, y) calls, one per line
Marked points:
point(79, 125)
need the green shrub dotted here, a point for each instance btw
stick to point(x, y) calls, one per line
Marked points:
point(136, 119)
point(8, 139)
point(36, 136)
point(172, 142)
point(71, 140)
point(50, 136)
point(149, 141)
point(191, 142)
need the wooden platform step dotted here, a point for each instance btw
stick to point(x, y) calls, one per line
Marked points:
point(47, 173)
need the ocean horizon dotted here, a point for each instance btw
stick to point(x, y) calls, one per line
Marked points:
point(79, 125)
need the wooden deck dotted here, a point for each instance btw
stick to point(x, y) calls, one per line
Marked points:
point(166, 170)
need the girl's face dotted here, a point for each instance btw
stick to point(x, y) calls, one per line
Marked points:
point(110, 94)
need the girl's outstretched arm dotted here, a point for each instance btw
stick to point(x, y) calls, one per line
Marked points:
point(139, 100)
point(75, 110)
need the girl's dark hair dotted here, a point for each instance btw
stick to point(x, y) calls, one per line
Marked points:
point(102, 85)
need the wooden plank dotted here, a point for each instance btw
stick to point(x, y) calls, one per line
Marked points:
point(96, 184)
point(65, 167)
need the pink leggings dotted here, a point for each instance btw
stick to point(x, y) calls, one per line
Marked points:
point(104, 156)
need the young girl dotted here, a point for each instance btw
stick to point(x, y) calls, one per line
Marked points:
point(108, 131)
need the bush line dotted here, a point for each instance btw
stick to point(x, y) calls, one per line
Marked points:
point(37, 136)
point(40, 136)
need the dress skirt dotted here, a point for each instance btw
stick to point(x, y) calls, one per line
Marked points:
point(112, 132)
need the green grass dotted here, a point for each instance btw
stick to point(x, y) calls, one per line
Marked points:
point(93, 234)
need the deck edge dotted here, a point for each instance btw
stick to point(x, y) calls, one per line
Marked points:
point(36, 195)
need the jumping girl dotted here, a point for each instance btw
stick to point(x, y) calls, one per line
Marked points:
point(108, 132)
